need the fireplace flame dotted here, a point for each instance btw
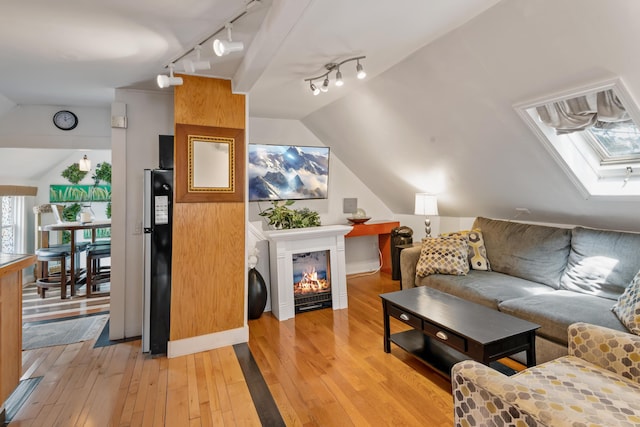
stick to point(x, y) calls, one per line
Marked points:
point(310, 283)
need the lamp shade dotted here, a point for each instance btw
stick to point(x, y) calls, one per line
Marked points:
point(426, 204)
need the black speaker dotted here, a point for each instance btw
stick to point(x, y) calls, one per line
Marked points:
point(165, 150)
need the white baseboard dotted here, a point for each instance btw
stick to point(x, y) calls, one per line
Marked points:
point(362, 267)
point(207, 342)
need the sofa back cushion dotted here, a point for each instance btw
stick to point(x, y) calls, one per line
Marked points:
point(533, 252)
point(601, 262)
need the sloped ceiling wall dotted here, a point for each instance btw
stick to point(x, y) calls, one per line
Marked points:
point(442, 120)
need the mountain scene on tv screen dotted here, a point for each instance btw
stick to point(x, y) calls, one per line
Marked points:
point(288, 172)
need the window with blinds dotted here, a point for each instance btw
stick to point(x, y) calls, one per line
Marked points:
point(8, 225)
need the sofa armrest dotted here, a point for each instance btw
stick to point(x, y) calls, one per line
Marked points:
point(408, 261)
point(613, 350)
point(483, 396)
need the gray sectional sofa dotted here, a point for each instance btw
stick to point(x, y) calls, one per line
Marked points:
point(551, 276)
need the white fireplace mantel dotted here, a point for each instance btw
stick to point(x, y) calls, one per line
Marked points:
point(283, 244)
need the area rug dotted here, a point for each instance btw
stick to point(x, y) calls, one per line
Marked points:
point(62, 332)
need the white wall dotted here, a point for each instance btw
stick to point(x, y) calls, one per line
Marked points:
point(361, 252)
point(31, 126)
point(149, 114)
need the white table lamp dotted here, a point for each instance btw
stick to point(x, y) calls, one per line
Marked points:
point(426, 204)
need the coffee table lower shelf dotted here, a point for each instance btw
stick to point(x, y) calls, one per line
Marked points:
point(434, 354)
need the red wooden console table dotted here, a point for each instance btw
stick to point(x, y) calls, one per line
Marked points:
point(383, 230)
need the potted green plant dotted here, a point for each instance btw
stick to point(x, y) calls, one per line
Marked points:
point(282, 216)
point(73, 173)
point(103, 173)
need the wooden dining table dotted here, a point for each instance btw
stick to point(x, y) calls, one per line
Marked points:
point(72, 227)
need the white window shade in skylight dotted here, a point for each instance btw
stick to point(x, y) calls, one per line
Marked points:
point(592, 133)
point(583, 112)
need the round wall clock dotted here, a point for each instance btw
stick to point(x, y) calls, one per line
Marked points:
point(65, 120)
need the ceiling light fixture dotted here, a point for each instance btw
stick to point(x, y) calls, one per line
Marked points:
point(228, 46)
point(84, 164)
point(166, 81)
point(332, 66)
point(197, 65)
point(225, 47)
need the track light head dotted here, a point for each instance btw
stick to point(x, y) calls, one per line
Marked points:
point(314, 89)
point(325, 85)
point(222, 47)
point(339, 81)
point(225, 47)
point(193, 66)
point(360, 73)
point(252, 4)
point(166, 81)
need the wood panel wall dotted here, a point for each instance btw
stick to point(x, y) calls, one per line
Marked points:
point(208, 265)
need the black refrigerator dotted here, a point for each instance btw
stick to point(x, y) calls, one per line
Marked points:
point(157, 226)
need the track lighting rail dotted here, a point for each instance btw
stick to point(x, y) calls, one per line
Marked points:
point(331, 67)
point(250, 5)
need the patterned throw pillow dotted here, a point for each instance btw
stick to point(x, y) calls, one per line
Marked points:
point(443, 255)
point(628, 306)
point(478, 259)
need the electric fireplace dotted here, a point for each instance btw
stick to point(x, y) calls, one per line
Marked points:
point(311, 281)
point(323, 249)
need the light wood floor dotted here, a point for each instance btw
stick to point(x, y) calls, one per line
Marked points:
point(36, 309)
point(323, 368)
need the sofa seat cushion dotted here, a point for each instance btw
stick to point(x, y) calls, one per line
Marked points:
point(484, 287)
point(533, 252)
point(601, 262)
point(583, 391)
point(555, 311)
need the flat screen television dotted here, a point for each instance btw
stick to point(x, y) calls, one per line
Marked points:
point(287, 172)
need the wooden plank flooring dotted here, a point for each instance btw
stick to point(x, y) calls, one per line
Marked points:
point(328, 367)
point(35, 308)
point(323, 368)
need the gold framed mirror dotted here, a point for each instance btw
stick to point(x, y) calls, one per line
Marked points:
point(209, 164)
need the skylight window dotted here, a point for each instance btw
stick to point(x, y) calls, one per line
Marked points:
point(615, 142)
point(593, 134)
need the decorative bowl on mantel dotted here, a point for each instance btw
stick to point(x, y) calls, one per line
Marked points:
point(358, 220)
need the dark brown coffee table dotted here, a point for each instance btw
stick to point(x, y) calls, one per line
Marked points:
point(448, 329)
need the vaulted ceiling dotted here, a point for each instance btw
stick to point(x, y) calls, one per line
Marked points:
point(443, 120)
point(434, 114)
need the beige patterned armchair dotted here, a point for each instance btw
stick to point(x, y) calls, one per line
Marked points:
point(597, 384)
